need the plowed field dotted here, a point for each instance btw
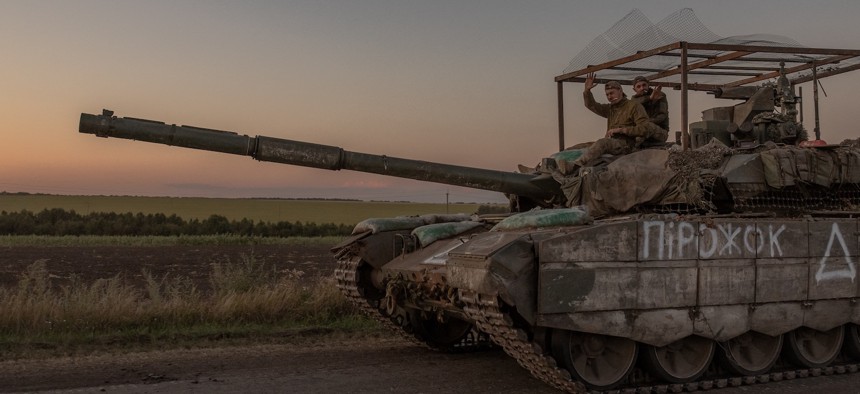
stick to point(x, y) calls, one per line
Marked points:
point(190, 261)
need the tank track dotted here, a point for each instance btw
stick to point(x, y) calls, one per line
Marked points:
point(490, 317)
point(346, 274)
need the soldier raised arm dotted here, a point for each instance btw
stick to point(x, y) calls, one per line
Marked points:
point(654, 101)
point(627, 123)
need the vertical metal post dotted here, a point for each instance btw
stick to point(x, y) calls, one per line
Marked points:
point(800, 101)
point(685, 135)
point(560, 116)
point(815, 100)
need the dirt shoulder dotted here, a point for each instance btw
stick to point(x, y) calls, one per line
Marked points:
point(330, 365)
point(369, 365)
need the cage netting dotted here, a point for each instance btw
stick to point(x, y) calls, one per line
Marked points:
point(635, 32)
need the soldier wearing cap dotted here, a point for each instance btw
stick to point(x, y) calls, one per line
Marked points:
point(654, 101)
point(627, 123)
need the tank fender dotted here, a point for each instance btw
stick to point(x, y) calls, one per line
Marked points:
point(349, 241)
point(497, 263)
point(375, 249)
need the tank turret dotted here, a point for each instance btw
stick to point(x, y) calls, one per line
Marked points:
point(713, 178)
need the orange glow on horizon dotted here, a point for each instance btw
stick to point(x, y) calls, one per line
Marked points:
point(434, 81)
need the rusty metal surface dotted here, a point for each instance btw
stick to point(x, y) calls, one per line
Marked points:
point(601, 242)
point(742, 64)
point(728, 56)
point(715, 277)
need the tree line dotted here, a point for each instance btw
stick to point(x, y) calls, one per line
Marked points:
point(58, 221)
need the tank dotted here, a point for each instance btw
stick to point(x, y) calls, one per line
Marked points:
point(666, 269)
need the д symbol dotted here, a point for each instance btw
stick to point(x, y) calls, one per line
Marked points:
point(844, 272)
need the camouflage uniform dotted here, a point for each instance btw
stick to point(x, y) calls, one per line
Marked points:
point(657, 110)
point(625, 113)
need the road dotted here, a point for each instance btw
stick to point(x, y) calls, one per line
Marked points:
point(379, 365)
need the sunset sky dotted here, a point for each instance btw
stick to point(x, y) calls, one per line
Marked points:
point(461, 82)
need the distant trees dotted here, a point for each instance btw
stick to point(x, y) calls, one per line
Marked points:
point(58, 221)
point(484, 209)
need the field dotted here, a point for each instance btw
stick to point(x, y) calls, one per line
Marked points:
point(222, 281)
point(88, 263)
point(74, 292)
point(90, 258)
point(267, 210)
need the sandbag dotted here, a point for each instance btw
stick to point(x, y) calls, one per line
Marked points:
point(430, 233)
point(377, 225)
point(545, 218)
point(565, 159)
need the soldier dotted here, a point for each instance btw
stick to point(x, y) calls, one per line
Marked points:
point(627, 123)
point(654, 101)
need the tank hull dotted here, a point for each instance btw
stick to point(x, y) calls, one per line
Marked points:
point(709, 264)
point(652, 280)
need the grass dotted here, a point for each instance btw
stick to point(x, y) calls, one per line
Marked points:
point(267, 210)
point(250, 300)
point(100, 240)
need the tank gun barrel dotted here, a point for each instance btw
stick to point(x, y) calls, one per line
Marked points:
point(310, 155)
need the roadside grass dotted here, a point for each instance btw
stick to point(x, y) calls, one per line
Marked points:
point(250, 302)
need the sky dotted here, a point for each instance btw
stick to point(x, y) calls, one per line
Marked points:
point(460, 82)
